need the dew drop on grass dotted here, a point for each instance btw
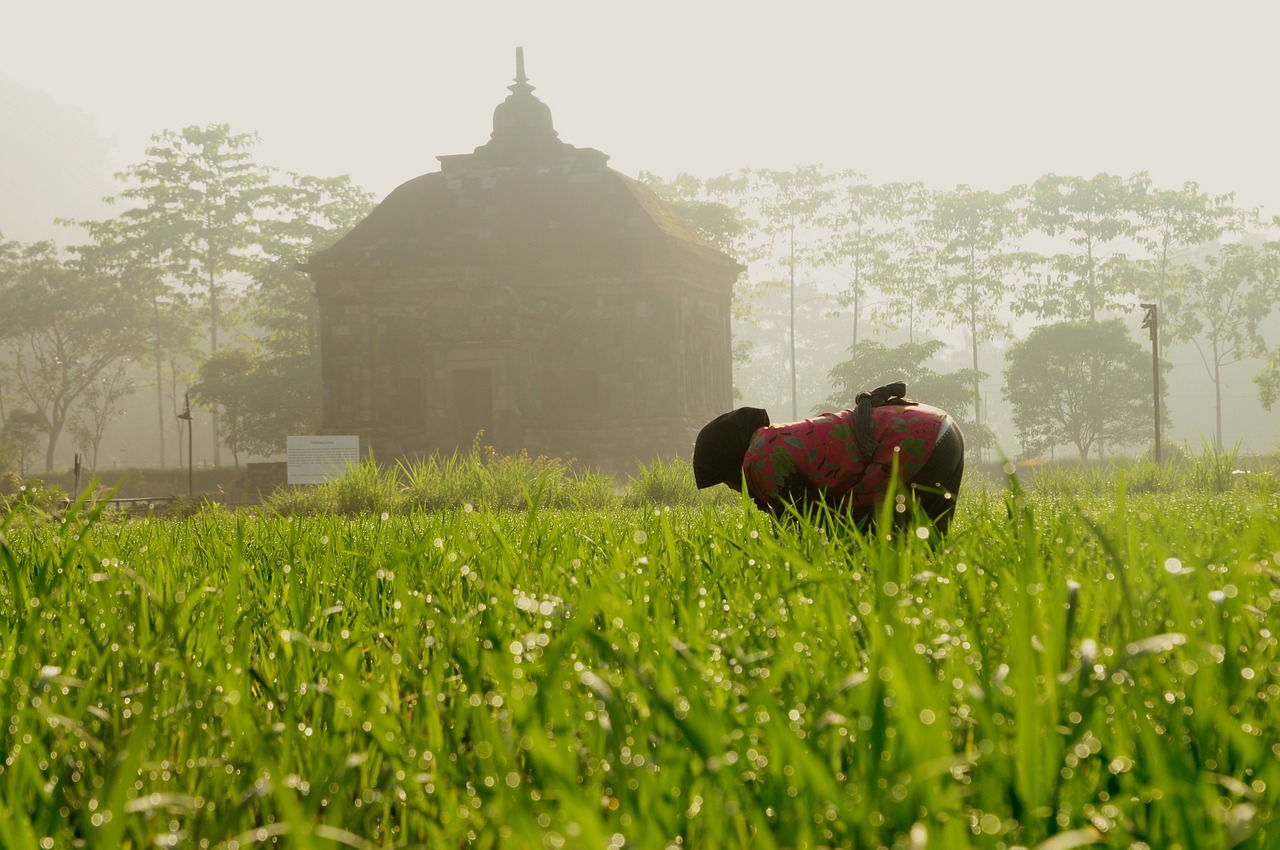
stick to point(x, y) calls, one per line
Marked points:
point(1174, 567)
point(640, 537)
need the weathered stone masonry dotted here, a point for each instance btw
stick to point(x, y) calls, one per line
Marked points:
point(529, 291)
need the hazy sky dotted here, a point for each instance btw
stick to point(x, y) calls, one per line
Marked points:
point(984, 93)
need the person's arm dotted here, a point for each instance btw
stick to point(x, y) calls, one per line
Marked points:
point(774, 481)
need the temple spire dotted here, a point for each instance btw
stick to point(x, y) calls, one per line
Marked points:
point(522, 123)
point(521, 86)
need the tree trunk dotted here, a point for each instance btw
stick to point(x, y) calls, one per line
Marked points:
point(155, 313)
point(857, 306)
point(1217, 399)
point(55, 431)
point(213, 349)
point(173, 410)
point(977, 388)
point(792, 264)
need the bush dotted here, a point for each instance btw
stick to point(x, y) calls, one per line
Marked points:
point(366, 489)
point(483, 476)
point(671, 482)
point(31, 494)
point(589, 491)
point(301, 501)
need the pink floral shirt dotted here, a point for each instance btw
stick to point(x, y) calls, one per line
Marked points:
point(819, 460)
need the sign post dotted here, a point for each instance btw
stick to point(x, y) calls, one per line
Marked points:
point(314, 460)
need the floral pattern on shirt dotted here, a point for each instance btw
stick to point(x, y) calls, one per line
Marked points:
point(819, 460)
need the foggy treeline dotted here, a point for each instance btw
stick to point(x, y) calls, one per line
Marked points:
point(193, 285)
point(1033, 293)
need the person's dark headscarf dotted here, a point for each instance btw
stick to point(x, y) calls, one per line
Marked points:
point(888, 394)
point(722, 445)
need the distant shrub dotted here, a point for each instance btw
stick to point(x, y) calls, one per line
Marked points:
point(1213, 470)
point(592, 491)
point(301, 501)
point(10, 482)
point(30, 494)
point(484, 476)
point(480, 477)
point(366, 489)
point(671, 482)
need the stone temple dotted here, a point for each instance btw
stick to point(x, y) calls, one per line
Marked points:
point(530, 292)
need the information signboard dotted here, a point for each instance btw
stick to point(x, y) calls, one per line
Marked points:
point(314, 460)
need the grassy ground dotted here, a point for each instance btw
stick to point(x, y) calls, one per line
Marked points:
point(1076, 665)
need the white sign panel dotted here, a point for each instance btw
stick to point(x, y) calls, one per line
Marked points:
point(313, 460)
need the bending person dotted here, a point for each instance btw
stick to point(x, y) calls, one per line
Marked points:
point(845, 460)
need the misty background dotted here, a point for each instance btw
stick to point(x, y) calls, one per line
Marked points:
point(986, 94)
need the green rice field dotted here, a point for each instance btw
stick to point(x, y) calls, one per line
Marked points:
point(409, 659)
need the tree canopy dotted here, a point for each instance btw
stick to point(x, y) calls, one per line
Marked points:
point(68, 326)
point(1079, 383)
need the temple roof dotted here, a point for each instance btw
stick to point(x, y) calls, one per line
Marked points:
point(523, 191)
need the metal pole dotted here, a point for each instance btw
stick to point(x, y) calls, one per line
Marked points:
point(186, 416)
point(1152, 322)
point(1155, 377)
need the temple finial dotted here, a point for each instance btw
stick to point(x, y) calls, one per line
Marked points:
point(520, 77)
point(521, 119)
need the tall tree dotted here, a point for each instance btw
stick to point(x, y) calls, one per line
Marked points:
point(1173, 221)
point(1219, 305)
point(194, 209)
point(67, 325)
point(273, 380)
point(789, 208)
point(972, 236)
point(715, 209)
point(98, 406)
point(121, 248)
point(227, 380)
point(20, 432)
point(1080, 383)
point(866, 241)
point(709, 207)
point(872, 364)
point(907, 276)
point(1099, 219)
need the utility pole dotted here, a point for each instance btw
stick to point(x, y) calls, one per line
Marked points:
point(792, 265)
point(1151, 321)
point(186, 416)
